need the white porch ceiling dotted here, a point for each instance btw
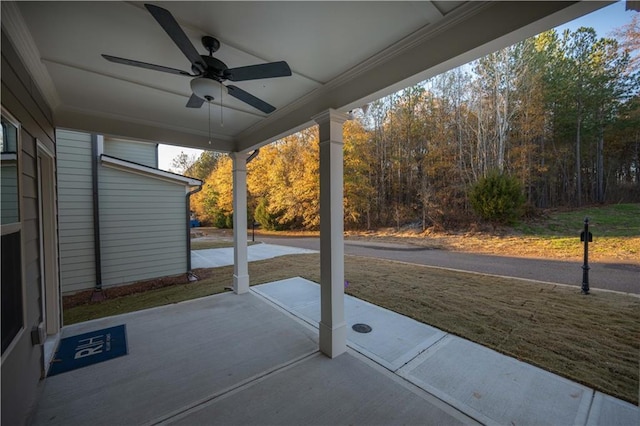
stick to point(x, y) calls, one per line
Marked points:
point(342, 55)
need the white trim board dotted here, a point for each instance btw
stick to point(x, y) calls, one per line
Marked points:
point(128, 166)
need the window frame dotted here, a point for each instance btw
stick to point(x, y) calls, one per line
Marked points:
point(15, 227)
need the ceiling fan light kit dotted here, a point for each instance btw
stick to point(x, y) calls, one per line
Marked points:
point(207, 89)
point(209, 72)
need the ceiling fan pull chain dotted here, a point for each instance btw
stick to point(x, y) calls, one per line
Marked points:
point(221, 122)
point(209, 102)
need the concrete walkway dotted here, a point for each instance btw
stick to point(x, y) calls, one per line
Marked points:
point(425, 355)
point(485, 385)
point(213, 258)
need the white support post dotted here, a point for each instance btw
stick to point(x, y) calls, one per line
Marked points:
point(333, 329)
point(240, 262)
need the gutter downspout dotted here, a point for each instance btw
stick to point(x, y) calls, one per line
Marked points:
point(97, 293)
point(253, 155)
point(190, 274)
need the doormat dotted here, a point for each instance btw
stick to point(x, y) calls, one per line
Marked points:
point(89, 348)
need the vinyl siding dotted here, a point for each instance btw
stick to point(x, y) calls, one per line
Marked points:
point(9, 193)
point(75, 207)
point(142, 219)
point(142, 227)
point(22, 365)
point(137, 152)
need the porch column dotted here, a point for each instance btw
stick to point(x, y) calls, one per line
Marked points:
point(240, 263)
point(333, 329)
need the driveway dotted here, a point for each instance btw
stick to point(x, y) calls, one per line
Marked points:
point(610, 276)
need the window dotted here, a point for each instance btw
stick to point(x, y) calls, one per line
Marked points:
point(10, 225)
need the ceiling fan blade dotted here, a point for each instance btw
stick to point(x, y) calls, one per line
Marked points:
point(145, 65)
point(255, 72)
point(194, 101)
point(171, 26)
point(248, 98)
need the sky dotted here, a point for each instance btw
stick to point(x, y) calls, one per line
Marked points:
point(603, 21)
point(166, 154)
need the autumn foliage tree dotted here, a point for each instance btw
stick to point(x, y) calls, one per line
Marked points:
point(557, 114)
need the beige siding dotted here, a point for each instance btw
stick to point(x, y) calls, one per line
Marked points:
point(75, 220)
point(142, 227)
point(137, 152)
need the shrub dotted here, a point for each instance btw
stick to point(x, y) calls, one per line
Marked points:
point(266, 220)
point(228, 221)
point(221, 220)
point(497, 198)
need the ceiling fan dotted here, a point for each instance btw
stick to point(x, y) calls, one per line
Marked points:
point(208, 72)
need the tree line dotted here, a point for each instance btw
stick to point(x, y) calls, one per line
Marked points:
point(558, 113)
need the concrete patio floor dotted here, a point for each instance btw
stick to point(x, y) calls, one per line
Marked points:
point(253, 359)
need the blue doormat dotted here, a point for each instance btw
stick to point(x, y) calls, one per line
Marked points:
point(89, 348)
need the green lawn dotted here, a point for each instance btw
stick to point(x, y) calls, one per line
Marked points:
point(615, 220)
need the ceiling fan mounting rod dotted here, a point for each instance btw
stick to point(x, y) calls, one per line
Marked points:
point(211, 44)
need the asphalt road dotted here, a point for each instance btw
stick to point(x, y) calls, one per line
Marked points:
point(622, 277)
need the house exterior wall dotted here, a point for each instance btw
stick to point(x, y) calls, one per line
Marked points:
point(137, 152)
point(9, 192)
point(142, 218)
point(142, 227)
point(22, 362)
point(75, 224)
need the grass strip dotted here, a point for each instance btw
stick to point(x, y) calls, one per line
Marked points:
point(613, 220)
point(594, 340)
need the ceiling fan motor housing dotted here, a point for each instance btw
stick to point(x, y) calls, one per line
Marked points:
point(215, 68)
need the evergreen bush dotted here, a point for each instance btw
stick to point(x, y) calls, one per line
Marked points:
point(497, 198)
point(266, 220)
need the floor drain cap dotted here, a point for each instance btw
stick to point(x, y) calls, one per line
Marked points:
point(362, 328)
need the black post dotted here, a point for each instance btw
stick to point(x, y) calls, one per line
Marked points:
point(586, 237)
point(97, 295)
point(253, 231)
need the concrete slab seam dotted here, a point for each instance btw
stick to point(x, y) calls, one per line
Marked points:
point(369, 355)
point(581, 413)
point(450, 400)
point(407, 384)
point(244, 384)
point(382, 362)
point(273, 303)
point(406, 369)
point(391, 366)
point(593, 411)
point(423, 350)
